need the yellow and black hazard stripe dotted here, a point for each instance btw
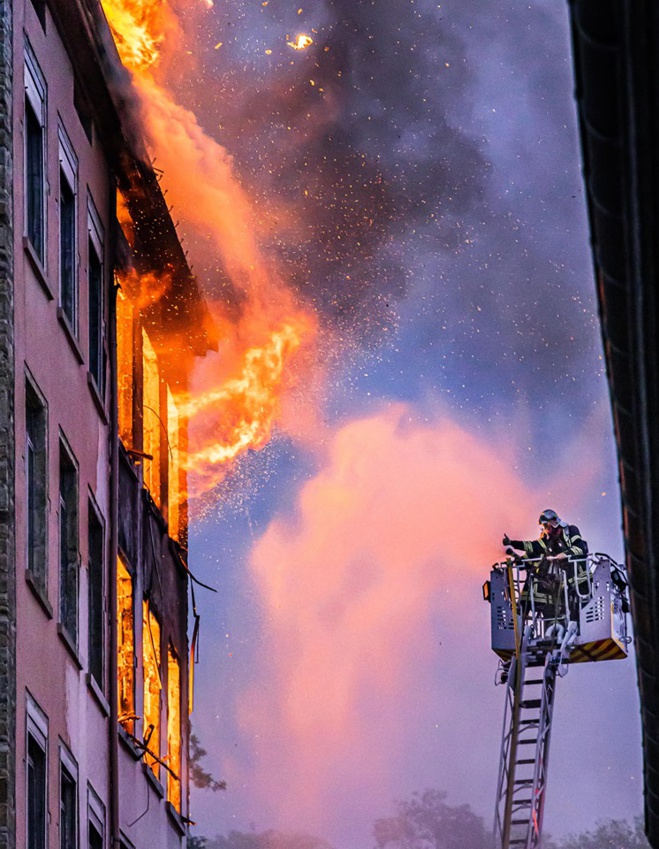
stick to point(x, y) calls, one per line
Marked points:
point(607, 649)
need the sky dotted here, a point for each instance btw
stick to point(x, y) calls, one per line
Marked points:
point(414, 181)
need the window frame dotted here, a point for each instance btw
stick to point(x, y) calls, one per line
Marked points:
point(95, 814)
point(36, 92)
point(68, 463)
point(94, 517)
point(68, 276)
point(35, 400)
point(36, 729)
point(95, 246)
point(68, 767)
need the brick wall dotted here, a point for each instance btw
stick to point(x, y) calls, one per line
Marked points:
point(7, 450)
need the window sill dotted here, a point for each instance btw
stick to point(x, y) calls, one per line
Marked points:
point(70, 335)
point(96, 397)
point(37, 267)
point(39, 594)
point(176, 819)
point(71, 647)
point(96, 691)
point(125, 738)
point(155, 783)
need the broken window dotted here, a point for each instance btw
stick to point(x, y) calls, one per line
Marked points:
point(151, 418)
point(95, 583)
point(125, 647)
point(35, 133)
point(68, 542)
point(174, 728)
point(36, 483)
point(67, 230)
point(152, 685)
point(174, 472)
point(125, 367)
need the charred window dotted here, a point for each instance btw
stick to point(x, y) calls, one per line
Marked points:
point(125, 367)
point(125, 647)
point(151, 419)
point(96, 598)
point(67, 231)
point(36, 431)
point(68, 542)
point(174, 728)
point(96, 292)
point(36, 778)
point(152, 684)
point(35, 152)
point(95, 820)
point(68, 817)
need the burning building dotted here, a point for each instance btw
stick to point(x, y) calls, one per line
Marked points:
point(100, 323)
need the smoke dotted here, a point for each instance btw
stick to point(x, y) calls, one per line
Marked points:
point(367, 596)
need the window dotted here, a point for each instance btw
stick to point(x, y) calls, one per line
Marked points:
point(40, 9)
point(68, 816)
point(125, 647)
point(96, 297)
point(95, 583)
point(95, 820)
point(68, 168)
point(36, 437)
point(35, 135)
point(125, 367)
point(37, 773)
point(152, 684)
point(174, 470)
point(151, 420)
point(68, 542)
point(174, 728)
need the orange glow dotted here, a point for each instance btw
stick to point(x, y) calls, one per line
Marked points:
point(125, 220)
point(125, 647)
point(152, 684)
point(301, 42)
point(151, 421)
point(125, 366)
point(174, 466)
point(173, 728)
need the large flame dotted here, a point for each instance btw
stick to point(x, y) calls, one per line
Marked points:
point(241, 406)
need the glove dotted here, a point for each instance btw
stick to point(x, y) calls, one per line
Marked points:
point(505, 540)
point(510, 550)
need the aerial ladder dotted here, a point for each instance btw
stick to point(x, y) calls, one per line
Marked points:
point(545, 618)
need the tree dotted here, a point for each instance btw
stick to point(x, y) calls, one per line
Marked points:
point(610, 834)
point(427, 822)
point(270, 839)
point(198, 775)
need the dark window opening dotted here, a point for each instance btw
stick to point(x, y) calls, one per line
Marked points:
point(95, 837)
point(67, 213)
point(34, 172)
point(68, 541)
point(36, 795)
point(96, 628)
point(68, 810)
point(40, 9)
point(96, 347)
point(84, 112)
point(37, 490)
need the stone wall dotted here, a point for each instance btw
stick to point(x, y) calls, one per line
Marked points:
point(7, 448)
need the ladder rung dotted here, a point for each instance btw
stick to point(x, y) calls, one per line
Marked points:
point(523, 781)
point(536, 681)
point(519, 822)
point(526, 761)
point(527, 742)
point(531, 703)
point(529, 721)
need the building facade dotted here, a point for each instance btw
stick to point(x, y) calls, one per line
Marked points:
point(100, 322)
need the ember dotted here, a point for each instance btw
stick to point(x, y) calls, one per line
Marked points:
point(301, 42)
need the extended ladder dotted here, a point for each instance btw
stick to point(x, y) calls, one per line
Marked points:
point(525, 746)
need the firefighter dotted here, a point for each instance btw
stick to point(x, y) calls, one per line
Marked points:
point(557, 543)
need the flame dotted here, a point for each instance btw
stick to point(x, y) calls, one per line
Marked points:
point(237, 410)
point(239, 413)
point(301, 42)
point(137, 30)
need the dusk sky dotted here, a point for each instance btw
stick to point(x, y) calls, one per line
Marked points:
point(414, 181)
